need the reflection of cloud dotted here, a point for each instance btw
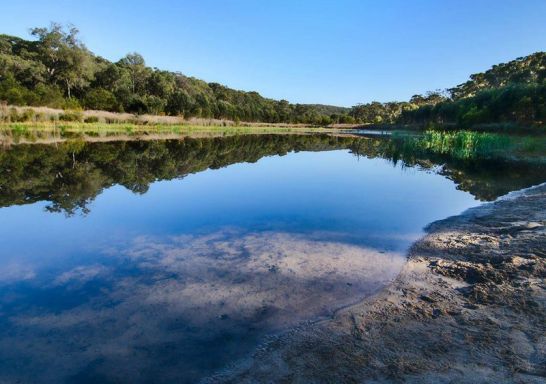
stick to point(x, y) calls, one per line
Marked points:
point(13, 272)
point(194, 302)
point(80, 274)
point(240, 276)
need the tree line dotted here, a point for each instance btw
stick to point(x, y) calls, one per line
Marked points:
point(513, 92)
point(56, 69)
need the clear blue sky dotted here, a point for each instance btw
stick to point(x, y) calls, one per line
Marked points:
point(310, 51)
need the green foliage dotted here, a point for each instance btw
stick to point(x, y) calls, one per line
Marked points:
point(57, 66)
point(523, 70)
point(513, 92)
point(465, 144)
point(523, 104)
point(71, 116)
point(487, 165)
point(91, 119)
point(100, 99)
point(57, 70)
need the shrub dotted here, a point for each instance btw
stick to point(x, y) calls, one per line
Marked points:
point(49, 95)
point(40, 116)
point(72, 104)
point(27, 115)
point(71, 116)
point(100, 99)
point(137, 105)
point(91, 119)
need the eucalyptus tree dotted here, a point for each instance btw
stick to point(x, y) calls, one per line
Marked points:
point(64, 56)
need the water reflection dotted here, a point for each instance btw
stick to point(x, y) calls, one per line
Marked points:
point(181, 264)
point(71, 174)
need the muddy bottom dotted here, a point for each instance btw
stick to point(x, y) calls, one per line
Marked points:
point(468, 307)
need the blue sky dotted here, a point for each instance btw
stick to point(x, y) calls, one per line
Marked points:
point(309, 51)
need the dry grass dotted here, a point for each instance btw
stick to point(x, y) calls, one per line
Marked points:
point(12, 114)
point(52, 132)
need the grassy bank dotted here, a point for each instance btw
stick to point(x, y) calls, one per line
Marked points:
point(40, 115)
point(59, 131)
point(470, 144)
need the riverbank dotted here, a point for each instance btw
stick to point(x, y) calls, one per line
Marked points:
point(44, 115)
point(469, 306)
point(48, 133)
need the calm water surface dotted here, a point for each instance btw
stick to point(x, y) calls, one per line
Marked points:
point(116, 270)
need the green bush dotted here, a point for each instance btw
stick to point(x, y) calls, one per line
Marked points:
point(49, 95)
point(100, 99)
point(91, 119)
point(72, 104)
point(71, 116)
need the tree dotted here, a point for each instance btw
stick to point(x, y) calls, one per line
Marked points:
point(137, 68)
point(65, 57)
point(100, 99)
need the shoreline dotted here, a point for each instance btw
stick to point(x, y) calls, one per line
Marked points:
point(121, 132)
point(468, 306)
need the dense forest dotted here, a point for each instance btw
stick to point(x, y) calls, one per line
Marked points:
point(56, 69)
point(514, 92)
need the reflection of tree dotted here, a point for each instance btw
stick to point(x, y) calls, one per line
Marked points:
point(483, 164)
point(70, 175)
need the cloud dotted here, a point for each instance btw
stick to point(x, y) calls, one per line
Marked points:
point(81, 274)
point(14, 272)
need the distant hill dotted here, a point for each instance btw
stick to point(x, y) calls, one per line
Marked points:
point(510, 94)
point(523, 70)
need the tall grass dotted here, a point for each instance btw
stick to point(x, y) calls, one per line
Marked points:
point(471, 144)
point(62, 130)
point(465, 144)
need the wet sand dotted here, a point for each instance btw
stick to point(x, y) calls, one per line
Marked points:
point(468, 307)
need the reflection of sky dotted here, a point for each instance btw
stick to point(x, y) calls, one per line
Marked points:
point(328, 191)
point(259, 246)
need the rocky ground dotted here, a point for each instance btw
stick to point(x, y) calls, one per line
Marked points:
point(468, 307)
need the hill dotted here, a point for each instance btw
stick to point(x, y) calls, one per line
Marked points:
point(57, 70)
point(523, 70)
point(507, 95)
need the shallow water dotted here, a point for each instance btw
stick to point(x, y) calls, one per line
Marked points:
point(132, 269)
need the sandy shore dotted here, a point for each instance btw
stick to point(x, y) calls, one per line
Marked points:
point(468, 307)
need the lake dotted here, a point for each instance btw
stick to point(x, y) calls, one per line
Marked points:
point(167, 260)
